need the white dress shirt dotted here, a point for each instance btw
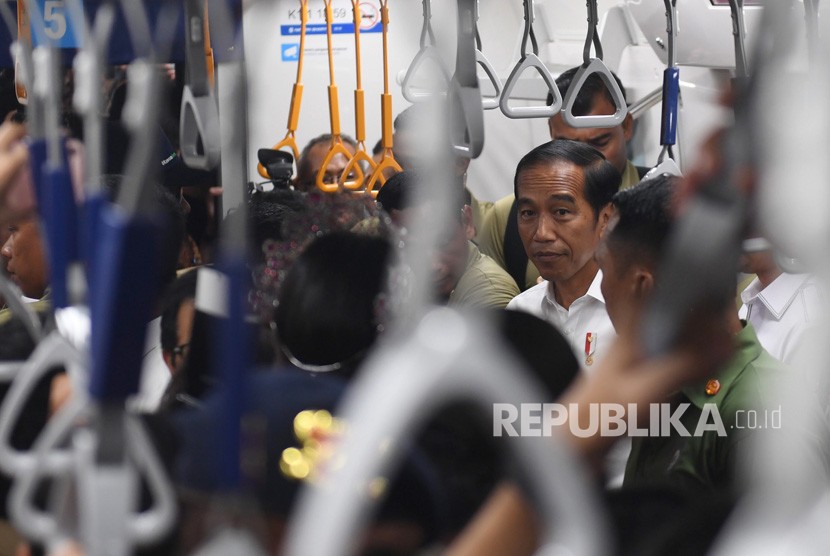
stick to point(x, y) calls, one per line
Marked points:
point(74, 324)
point(782, 312)
point(586, 315)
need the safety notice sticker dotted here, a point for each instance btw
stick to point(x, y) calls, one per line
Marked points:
point(342, 24)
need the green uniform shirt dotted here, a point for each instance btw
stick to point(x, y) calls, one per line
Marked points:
point(490, 237)
point(483, 284)
point(42, 305)
point(708, 460)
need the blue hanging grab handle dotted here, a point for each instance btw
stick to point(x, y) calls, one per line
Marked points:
point(125, 298)
point(671, 84)
point(88, 99)
point(60, 218)
point(671, 94)
point(234, 355)
point(126, 258)
point(54, 191)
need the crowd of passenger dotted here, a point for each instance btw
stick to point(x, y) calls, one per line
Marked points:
point(564, 267)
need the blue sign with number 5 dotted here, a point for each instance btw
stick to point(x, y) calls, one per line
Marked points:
point(57, 24)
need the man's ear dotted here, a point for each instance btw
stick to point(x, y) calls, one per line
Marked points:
point(643, 282)
point(604, 217)
point(628, 127)
point(467, 222)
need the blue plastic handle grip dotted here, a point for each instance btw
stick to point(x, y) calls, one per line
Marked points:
point(88, 244)
point(37, 159)
point(671, 92)
point(126, 282)
point(59, 214)
point(234, 350)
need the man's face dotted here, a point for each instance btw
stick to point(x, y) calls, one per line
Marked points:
point(558, 227)
point(448, 262)
point(449, 257)
point(335, 167)
point(611, 142)
point(25, 258)
point(758, 262)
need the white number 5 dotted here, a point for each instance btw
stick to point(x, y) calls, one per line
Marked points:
point(54, 16)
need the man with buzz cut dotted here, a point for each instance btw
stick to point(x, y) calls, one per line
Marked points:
point(713, 411)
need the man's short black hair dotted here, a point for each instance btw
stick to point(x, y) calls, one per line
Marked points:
point(602, 180)
point(171, 216)
point(643, 220)
point(403, 190)
point(593, 86)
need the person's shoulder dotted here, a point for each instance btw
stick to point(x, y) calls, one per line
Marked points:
point(752, 383)
point(530, 299)
point(500, 210)
point(484, 278)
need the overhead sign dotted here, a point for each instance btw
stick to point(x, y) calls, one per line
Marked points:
point(342, 24)
point(57, 26)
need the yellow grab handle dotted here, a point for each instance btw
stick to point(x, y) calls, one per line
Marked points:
point(293, 119)
point(208, 49)
point(359, 116)
point(296, 102)
point(360, 155)
point(386, 121)
point(337, 147)
point(334, 111)
point(296, 97)
point(387, 162)
point(24, 34)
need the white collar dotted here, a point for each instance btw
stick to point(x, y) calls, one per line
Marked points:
point(778, 296)
point(594, 290)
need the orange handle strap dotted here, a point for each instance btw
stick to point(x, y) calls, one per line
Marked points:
point(360, 154)
point(296, 97)
point(354, 166)
point(386, 121)
point(360, 117)
point(334, 111)
point(384, 20)
point(329, 18)
point(359, 105)
point(337, 147)
point(388, 160)
point(208, 50)
point(24, 33)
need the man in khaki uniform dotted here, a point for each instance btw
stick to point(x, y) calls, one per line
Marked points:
point(462, 275)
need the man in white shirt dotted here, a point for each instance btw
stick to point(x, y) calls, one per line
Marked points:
point(781, 307)
point(563, 190)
